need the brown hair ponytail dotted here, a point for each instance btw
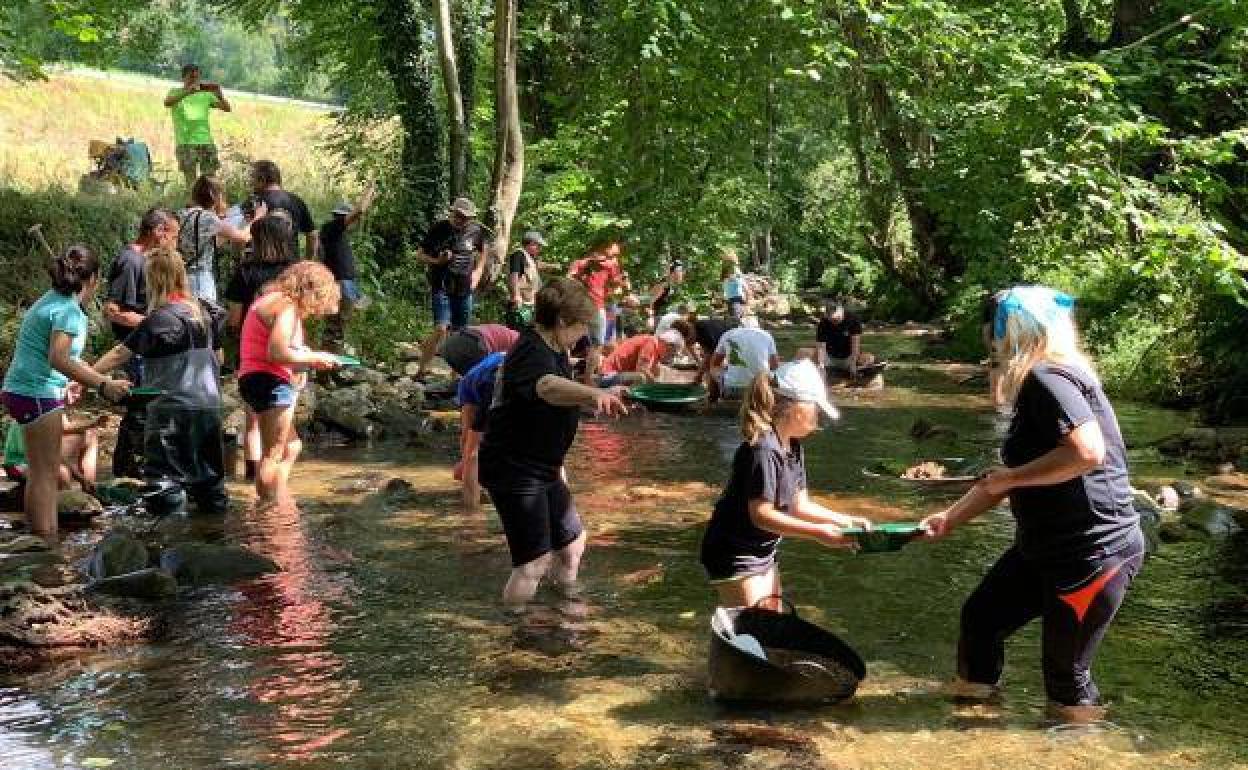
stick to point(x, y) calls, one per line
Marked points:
point(73, 269)
point(757, 408)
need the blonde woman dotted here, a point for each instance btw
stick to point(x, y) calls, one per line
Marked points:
point(180, 342)
point(1079, 544)
point(766, 497)
point(274, 362)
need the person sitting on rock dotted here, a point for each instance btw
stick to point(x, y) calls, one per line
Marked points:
point(465, 348)
point(475, 394)
point(180, 342)
point(80, 448)
point(741, 354)
point(838, 341)
point(640, 358)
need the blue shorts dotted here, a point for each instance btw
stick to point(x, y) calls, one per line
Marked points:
point(452, 311)
point(350, 291)
point(262, 391)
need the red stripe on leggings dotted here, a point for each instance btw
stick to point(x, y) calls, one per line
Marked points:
point(1080, 600)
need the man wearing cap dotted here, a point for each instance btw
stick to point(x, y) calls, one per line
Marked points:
point(192, 134)
point(523, 279)
point(337, 255)
point(454, 250)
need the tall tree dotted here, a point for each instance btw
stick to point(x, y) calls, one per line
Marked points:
point(508, 176)
point(456, 122)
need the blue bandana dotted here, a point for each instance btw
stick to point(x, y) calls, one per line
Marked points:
point(1040, 302)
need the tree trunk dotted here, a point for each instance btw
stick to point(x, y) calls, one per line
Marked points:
point(508, 176)
point(466, 25)
point(1076, 39)
point(1133, 19)
point(456, 125)
point(410, 69)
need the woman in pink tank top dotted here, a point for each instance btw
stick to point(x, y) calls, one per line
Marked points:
point(274, 363)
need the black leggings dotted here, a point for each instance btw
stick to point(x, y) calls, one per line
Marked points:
point(538, 517)
point(1076, 602)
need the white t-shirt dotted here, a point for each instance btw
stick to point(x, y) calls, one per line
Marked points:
point(666, 322)
point(747, 352)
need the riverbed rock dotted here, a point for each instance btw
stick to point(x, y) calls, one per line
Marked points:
point(56, 575)
point(75, 502)
point(1189, 494)
point(305, 407)
point(1213, 520)
point(348, 410)
point(34, 619)
point(203, 563)
point(117, 554)
point(408, 351)
point(922, 430)
point(149, 583)
point(21, 544)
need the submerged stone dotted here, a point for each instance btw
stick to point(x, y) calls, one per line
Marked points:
point(202, 563)
point(117, 554)
point(149, 583)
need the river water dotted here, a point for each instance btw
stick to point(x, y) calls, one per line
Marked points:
point(382, 645)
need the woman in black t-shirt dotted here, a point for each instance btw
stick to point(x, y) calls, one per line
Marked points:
point(766, 495)
point(532, 423)
point(1079, 544)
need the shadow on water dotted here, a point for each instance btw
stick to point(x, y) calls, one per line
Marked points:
point(382, 643)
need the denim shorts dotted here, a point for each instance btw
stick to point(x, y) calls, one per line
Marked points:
point(454, 311)
point(350, 291)
point(262, 391)
point(26, 410)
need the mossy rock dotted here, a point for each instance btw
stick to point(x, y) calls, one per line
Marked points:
point(117, 554)
point(149, 583)
point(202, 563)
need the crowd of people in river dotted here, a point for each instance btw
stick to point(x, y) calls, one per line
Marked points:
point(1064, 473)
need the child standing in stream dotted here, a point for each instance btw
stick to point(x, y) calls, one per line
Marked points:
point(766, 495)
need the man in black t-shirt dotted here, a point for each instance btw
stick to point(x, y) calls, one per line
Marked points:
point(454, 250)
point(708, 331)
point(838, 341)
point(266, 185)
point(337, 255)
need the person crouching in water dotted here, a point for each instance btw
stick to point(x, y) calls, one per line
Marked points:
point(766, 496)
point(180, 342)
point(1079, 545)
point(475, 393)
point(533, 421)
point(275, 362)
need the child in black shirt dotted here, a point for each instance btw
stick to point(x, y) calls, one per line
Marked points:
point(766, 495)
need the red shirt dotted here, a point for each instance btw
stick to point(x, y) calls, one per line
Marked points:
point(630, 354)
point(599, 277)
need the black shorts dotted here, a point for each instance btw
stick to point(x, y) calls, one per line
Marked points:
point(724, 562)
point(538, 517)
point(263, 391)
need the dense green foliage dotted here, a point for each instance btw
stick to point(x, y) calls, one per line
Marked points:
point(157, 38)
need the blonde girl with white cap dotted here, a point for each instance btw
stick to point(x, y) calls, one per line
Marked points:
point(766, 497)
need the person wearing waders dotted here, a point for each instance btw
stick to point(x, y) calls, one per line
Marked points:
point(180, 342)
point(125, 303)
point(532, 421)
point(1078, 545)
point(766, 498)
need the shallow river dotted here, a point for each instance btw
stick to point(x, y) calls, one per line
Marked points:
point(382, 645)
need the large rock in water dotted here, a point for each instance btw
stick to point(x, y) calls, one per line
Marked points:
point(348, 410)
point(305, 407)
point(75, 502)
point(1212, 520)
point(202, 563)
point(150, 583)
point(116, 554)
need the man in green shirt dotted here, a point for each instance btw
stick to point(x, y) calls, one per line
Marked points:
point(192, 135)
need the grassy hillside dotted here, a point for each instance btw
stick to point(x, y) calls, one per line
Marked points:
point(45, 127)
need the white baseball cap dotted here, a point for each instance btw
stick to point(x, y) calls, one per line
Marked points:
point(673, 338)
point(800, 381)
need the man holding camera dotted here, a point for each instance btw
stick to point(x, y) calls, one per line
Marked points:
point(454, 250)
point(192, 134)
